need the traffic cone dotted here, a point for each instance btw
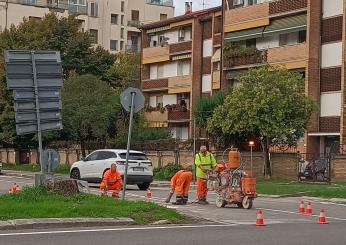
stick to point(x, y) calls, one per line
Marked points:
point(301, 209)
point(17, 188)
point(13, 189)
point(149, 194)
point(259, 220)
point(322, 218)
point(309, 209)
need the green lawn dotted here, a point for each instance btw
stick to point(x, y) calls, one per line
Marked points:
point(281, 187)
point(38, 203)
point(62, 169)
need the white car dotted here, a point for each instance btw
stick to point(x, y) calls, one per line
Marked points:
point(0, 167)
point(92, 168)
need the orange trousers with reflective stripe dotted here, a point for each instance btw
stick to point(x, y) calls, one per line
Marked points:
point(183, 182)
point(117, 186)
point(202, 189)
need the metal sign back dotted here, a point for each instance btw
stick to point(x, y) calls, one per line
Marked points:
point(138, 103)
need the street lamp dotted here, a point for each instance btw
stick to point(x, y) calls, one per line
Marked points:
point(251, 144)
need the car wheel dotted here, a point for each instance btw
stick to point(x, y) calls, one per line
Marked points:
point(143, 186)
point(75, 174)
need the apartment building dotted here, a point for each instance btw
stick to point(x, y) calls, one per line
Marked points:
point(113, 24)
point(307, 36)
point(180, 63)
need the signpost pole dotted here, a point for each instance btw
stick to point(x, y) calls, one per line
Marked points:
point(39, 132)
point(128, 145)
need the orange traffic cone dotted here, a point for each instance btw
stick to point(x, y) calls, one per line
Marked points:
point(301, 209)
point(322, 219)
point(149, 194)
point(259, 220)
point(13, 189)
point(309, 209)
point(17, 188)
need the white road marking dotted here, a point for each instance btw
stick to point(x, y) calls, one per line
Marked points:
point(115, 229)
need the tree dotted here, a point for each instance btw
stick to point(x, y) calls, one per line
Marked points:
point(268, 104)
point(125, 71)
point(90, 106)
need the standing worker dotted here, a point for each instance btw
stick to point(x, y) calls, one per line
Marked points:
point(180, 183)
point(205, 162)
point(111, 181)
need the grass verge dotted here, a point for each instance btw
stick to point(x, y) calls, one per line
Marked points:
point(283, 187)
point(62, 169)
point(38, 203)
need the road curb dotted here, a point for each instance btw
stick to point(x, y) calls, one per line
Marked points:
point(18, 173)
point(20, 224)
point(298, 194)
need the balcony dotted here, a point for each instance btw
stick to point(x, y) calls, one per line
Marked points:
point(134, 23)
point(180, 84)
point(282, 6)
point(73, 6)
point(156, 119)
point(155, 54)
point(166, 3)
point(155, 84)
point(178, 114)
point(293, 56)
point(181, 47)
point(132, 48)
point(247, 17)
point(239, 56)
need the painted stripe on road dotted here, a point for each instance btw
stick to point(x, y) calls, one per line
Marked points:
point(115, 229)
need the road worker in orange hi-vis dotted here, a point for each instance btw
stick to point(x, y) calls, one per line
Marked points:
point(180, 184)
point(111, 181)
point(205, 162)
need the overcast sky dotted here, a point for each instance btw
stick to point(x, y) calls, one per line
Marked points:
point(196, 5)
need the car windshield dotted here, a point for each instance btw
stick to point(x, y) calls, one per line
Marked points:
point(134, 156)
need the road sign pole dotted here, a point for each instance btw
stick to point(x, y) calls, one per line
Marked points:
point(39, 132)
point(128, 145)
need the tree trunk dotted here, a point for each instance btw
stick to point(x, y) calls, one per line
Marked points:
point(82, 145)
point(267, 165)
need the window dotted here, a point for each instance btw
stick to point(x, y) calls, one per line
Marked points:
point(135, 15)
point(184, 67)
point(122, 33)
point(238, 3)
point(92, 157)
point(114, 19)
point(103, 155)
point(302, 37)
point(159, 101)
point(93, 36)
point(251, 43)
point(163, 16)
point(251, 2)
point(134, 156)
point(93, 9)
point(181, 35)
point(114, 45)
point(122, 6)
point(122, 20)
point(121, 45)
point(160, 70)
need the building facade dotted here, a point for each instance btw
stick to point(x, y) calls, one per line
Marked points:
point(112, 24)
point(180, 63)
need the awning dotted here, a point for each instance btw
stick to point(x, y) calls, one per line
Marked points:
point(245, 34)
point(162, 28)
point(286, 25)
point(216, 56)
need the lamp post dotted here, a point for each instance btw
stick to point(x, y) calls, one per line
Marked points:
point(251, 144)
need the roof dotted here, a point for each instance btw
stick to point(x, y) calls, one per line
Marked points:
point(180, 18)
point(120, 151)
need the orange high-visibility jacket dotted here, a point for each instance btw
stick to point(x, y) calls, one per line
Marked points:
point(111, 178)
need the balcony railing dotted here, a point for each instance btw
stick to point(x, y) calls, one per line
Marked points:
point(155, 54)
point(167, 3)
point(132, 48)
point(73, 6)
point(134, 23)
point(156, 84)
point(289, 53)
point(239, 56)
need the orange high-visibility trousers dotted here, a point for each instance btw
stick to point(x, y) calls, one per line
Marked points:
point(183, 182)
point(116, 186)
point(202, 190)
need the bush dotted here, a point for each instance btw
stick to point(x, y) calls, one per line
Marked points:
point(167, 172)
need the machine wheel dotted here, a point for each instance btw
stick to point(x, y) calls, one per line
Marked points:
point(240, 205)
point(75, 174)
point(220, 202)
point(247, 202)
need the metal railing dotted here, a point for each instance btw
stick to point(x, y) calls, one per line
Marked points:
point(132, 48)
point(134, 23)
point(314, 167)
point(167, 3)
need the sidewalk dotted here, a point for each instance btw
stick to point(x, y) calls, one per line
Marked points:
point(63, 223)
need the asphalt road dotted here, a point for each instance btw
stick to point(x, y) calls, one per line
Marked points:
point(234, 225)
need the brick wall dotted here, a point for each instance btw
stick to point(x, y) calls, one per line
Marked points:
point(145, 72)
point(180, 47)
point(218, 24)
point(206, 65)
point(281, 6)
point(217, 40)
point(158, 83)
point(330, 124)
point(339, 167)
point(331, 79)
point(332, 29)
point(343, 86)
point(207, 30)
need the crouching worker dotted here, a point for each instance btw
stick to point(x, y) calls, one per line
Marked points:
point(180, 184)
point(111, 181)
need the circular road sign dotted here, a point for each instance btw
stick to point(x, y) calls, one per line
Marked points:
point(50, 159)
point(138, 102)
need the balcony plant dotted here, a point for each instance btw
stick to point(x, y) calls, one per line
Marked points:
point(240, 55)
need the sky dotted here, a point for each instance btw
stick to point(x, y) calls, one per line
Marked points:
point(196, 5)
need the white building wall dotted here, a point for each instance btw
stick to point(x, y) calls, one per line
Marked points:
point(332, 8)
point(206, 83)
point(331, 55)
point(330, 104)
point(207, 48)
